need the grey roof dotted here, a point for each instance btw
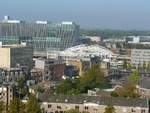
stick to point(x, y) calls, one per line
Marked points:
point(145, 83)
point(118, 101)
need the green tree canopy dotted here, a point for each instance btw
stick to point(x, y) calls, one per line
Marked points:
point(128, 90)
point(134, 77)
point(109, 109)
point(16, 106)
point(93, 78)
point(2, 107)
point(33, 106)
point(21, 88)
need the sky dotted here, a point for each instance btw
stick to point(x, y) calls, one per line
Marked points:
point(102, 14)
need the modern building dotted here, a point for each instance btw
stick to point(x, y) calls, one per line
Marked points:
point(14, 56)
point(92, 104)
point(42, 35)
point(140, 56)
point(87, 52)
point(138, 39)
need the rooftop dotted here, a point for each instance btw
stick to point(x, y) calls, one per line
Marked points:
point(116, 101)
point(13, 46)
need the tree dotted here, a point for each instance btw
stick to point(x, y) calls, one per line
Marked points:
point(148, 67)
point(114, 94)
point(2, 107)
point(93, 78)
point(21, 87)
point(16, 106)
point(134, 77)
point(128, 90)
point(109, 109)
point(64, 87)
point(33, 106)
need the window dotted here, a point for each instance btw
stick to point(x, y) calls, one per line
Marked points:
point(49, 106)
point(58, 107)
point(77, 107)
point(133, 111)
point(143, 111)
point(86, 108)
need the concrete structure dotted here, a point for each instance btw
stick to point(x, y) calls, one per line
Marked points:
point(48, 69)
point(92, 104)
point(144, 87)
point(6, 94)
point(87, 52)
point(80, 65)
point(140, 56)
point(11, 75)
point(12, 56)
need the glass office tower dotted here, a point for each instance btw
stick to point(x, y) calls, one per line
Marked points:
point(44, 36)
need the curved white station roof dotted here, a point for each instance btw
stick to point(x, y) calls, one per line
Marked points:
point(85, 51)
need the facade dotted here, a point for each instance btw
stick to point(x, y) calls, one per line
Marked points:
point(93, 104)
point(80, 65)
point(6, 94)
point(13, 56)
point(140, 56)
point(10, 75)
point(46, 69)
point(42, 35)
point(138, 39)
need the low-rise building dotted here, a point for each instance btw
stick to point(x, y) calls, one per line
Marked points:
point(92, 104)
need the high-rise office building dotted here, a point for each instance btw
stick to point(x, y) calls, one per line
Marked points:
point(43, 35)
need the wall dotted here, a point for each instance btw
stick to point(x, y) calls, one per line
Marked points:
point(4, 57)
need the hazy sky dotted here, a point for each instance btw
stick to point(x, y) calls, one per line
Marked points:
point(113, 14)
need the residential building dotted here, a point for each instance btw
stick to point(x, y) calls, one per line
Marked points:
point(6, 94)
point(92, 104)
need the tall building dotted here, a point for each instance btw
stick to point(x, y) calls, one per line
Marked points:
point(43, 35)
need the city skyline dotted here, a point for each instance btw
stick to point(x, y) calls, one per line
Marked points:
point(103, 14)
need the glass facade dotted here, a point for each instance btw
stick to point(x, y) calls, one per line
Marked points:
point(42, 36)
